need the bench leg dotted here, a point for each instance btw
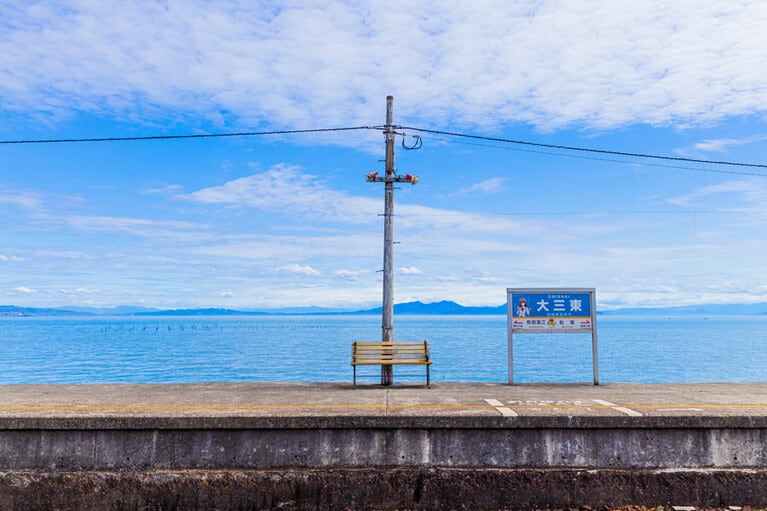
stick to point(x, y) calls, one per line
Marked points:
point(428, 379)
point(354, 385)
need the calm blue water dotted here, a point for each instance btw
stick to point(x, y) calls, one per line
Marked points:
point(317, 348)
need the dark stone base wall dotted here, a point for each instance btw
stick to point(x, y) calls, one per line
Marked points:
point(379, 488)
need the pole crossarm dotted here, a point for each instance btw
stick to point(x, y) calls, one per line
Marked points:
point(373, 177)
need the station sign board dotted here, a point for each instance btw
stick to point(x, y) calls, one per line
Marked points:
point(552, 310)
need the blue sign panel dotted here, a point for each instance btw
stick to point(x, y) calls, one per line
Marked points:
point(536, 310)
point(552, 305)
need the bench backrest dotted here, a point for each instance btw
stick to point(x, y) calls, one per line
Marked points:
point(390, 352)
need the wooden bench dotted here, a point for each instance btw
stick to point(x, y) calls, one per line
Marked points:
point(391, 354)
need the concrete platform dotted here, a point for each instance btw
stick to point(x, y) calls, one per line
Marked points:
point(220, 400)
point(328, 446)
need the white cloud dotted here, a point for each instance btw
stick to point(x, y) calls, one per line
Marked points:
point(409, 271)
point(493, 185)
point(719, 145)
point(10, 258)
point(163, 190)
point(170, 229)
point(22, 199)
point(112, 223)
point(25, 290)
point(351, 274)
point(722, 144)
point(482, 276)
point(550, 63)
point(271, 247)
point(285, 188)
point(298, 269)
point(226, 294)
point(748, 191)
point(78, 291)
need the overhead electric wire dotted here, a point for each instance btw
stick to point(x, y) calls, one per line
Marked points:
point(595, 158)
point(171, 137)
point(413, 128)
point(586, 149)
point(588, 213)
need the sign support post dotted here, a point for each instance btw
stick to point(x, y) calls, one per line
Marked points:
point(594, 347)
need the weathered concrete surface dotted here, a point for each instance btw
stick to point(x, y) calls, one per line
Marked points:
point(335, 400)
point(376, 489)
point(325, 446)
point(436, 446)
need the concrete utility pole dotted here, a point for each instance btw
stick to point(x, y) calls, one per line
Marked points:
point(387, 320)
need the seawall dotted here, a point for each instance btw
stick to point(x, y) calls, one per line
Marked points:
point(459, 446)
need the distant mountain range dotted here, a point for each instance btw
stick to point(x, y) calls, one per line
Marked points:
point(697, 310)
point(11, 310)
point(444, 307)
point(437, 308)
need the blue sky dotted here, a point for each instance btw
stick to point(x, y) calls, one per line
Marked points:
point(276, 221)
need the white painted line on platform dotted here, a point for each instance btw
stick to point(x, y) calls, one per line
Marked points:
point(680, 409)
point(505, 411)
point(627, 411)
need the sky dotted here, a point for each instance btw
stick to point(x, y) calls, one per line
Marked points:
point(271, 221)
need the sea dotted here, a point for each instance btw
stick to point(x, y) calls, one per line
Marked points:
point(646, 349)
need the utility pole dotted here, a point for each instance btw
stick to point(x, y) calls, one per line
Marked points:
point(387, 319)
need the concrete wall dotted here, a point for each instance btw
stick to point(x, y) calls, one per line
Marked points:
point(354, 448)
point(345, 443)
point(439, 463)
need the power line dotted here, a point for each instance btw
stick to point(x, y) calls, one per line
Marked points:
point(595, 158)
point(585, 149)
point(665, 212)
point(413, 128)
point(172, 137)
